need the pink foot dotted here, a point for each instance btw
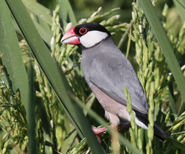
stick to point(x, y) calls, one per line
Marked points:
point(98, 131)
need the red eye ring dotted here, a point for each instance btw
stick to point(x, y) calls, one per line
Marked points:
point(83, 31)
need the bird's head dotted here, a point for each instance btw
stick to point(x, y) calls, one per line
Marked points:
point(87, 35)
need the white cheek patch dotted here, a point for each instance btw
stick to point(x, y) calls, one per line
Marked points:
point(91, 38)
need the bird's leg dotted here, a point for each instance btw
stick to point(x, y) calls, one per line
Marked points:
point(124, 126)
point(98, 131)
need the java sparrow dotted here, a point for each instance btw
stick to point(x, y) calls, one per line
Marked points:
point(107, 71)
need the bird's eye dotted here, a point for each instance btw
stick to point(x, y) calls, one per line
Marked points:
point(83, 30)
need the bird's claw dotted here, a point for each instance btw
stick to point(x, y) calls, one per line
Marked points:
point(98, 131)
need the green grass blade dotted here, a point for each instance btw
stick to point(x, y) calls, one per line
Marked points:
point(46, 35)
point(164, 43)
point(66, 12)
point(53, 73)
point(41, 53)
point(11, 55)
point(177, 144)
point(39, 10)
point(13, 62)
point(67, 143)
point(44, 20)
point(171, 99)
point(180, 5)
point(30, 108)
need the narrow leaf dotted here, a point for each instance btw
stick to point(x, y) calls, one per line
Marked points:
point(30, 108)
point(53, 73)
point(46, 36)
point(66, 12)
point(39, 10)
point(68, 142)
point(11, 56)
point(12, 60)
point(180, 5)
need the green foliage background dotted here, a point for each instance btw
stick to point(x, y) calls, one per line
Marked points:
point(45, 103)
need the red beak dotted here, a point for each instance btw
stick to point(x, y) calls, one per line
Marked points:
point(70, 37)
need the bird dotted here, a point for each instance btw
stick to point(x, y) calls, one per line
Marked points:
point(107, 71)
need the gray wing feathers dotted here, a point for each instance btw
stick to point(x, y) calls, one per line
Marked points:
point(112, 73)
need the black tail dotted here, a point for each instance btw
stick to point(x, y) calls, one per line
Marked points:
point(158, 132)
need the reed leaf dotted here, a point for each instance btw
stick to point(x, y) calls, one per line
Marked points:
point(53, 73)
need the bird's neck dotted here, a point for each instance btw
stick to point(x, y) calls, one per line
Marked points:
point(106, 42)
